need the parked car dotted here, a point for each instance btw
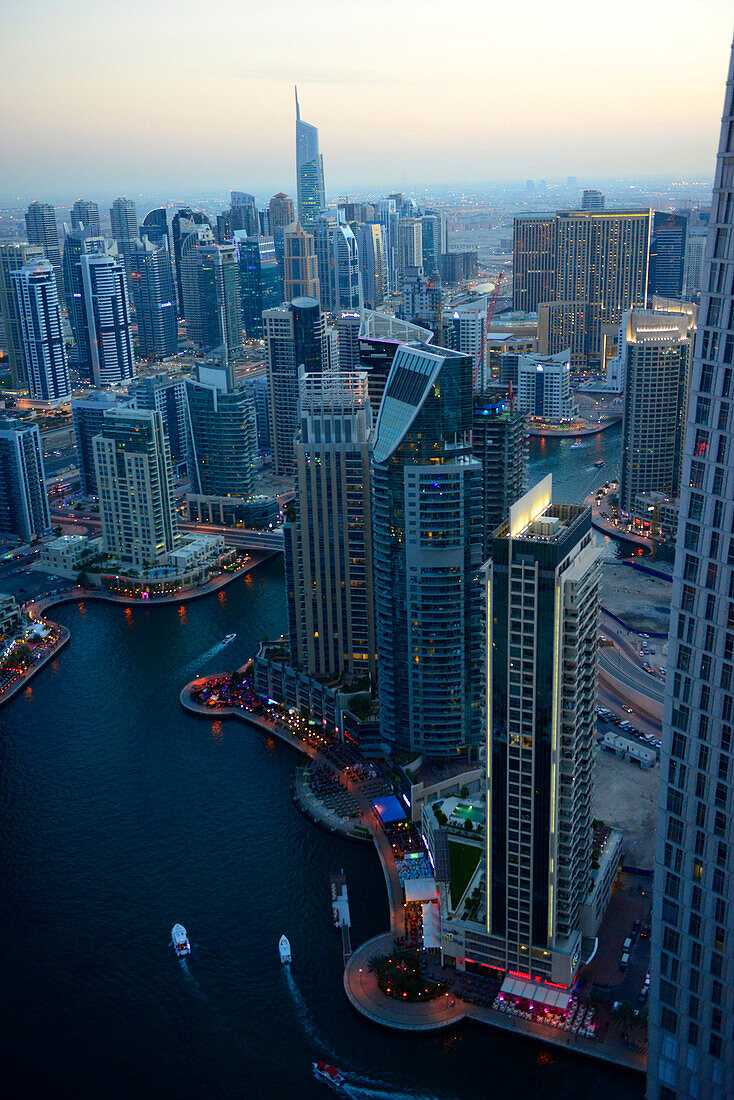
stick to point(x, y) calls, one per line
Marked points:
point(624, 961)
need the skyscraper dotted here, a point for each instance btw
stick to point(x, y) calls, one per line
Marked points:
point(542, 582)
point(692, 965)
point(338, 264)
point(166, 395)
point(154, 298)
point(592, 200)
point(433, 240)
point(223, 432)
point(300, 266)
point(499, 443)
point(409, 253)
point(330, 558)
point(580, 270)
point(211, 287)
point(348, 324)
point(427, 549)
point(309, 170)
point(422, 300)
point(380, 336)
point(295, 336)
point(667, 255)
point(372, 264)
point(13, 257)
point(544, 386)
point(243, 211)
point(88, 417)
point(40, 220)
point(155, 227)
point(185, 221)
point(75, 244)
point(109, 347)
point(85, 213)
point(24, 510)
point(135, 485)
point(43, 338)
point(258, 278)
point(124, 222)
point(282, 212)
point(657, 354)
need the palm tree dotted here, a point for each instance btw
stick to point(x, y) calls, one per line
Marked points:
point(623, 1017)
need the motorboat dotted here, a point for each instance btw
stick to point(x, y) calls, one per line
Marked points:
point(599, 463)
point(284, 950)
point(180, 941)
point(578, 443)
point(228, 639)
point(329, 1074)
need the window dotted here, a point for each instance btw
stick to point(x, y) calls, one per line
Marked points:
point(669, 1022)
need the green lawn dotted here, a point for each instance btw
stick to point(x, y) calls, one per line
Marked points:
point(463, 860)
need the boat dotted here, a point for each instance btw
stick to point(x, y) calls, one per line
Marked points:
point(284, 950)
point(330, 1074)
point(599, 463)
point(228, 639)
point(578, 443)
point(180, 941)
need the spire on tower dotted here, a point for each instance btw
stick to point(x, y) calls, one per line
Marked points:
point(298, 109)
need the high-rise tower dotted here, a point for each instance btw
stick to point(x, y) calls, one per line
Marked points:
point(427, 548)
point(309, 170)
point(329, 560)
point(154, 297)
point(24, 510)
point(85, 213)
point(692, 966)
point(12, 258)
point(107, 323)
point(43, 337)
point(40, 220)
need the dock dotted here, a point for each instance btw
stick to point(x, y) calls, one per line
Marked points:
point(340, 914)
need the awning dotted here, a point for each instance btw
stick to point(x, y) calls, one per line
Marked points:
point(420, 889)
point(431, 925)
point(538, 993)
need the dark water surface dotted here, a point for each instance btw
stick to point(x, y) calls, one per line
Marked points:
point(120, 814)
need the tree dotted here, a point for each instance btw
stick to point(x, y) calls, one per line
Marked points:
point(468, 826)
point(82, 579)
point(464, 792)
point(623, 1017)
point(376, 963)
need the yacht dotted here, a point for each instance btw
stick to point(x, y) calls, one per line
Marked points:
point(228, 639)
point(599, 463)
point(284, 949)
point(578, 443)
point(329, 1074)
point(180, 941)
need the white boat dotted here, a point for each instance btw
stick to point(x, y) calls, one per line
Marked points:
point(284, 950)
point(180, 941)
point(578, 443)
point(329, 1074)
point(228, 639)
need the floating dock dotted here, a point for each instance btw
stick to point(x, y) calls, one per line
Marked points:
point(340, 915)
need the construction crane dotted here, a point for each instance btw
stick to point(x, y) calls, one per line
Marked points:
point(491, 306)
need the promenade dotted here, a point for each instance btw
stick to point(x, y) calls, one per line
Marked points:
point(63, 640)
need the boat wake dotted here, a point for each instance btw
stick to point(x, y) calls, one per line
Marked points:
point(365, 1088)
point(195, 665)
point(303, 1013)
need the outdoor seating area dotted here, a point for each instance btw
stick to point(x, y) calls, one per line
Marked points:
point(414, 867)
point(414, 924)
point(578, 1020)
point(325, 786)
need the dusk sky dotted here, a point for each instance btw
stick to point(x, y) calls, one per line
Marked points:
point(180, 95)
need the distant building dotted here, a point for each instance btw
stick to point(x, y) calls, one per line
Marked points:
point(107, 323)
point(338, 264)
point(458, 267)
point(259, 282)
point(24, 512)
point(409, 252)
point(427, 549)
point(85, 213)
point(186, 222)
point(544, 387)
point(124, 222)
point(282, 212)
point(210, 279)
point(309, 170)
point(433, 241)
point(154, 297)
point(421, 300)
point(667, 255)
point(657, 350)
point(135, 485)
point(372, 264)
point(348, 324)
point(243, 212)
point(88, 417)
point(592, 200)
point(467, 321)
point(329, 543)
point(499, 443)
point(300, 266)
point(580, 270)
point(40, 220)
point(155, 228)
point(259, 387)
point(42, 331)
point(12, 258)
point(295, 336)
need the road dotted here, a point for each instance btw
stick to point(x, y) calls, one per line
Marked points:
point(242, 538)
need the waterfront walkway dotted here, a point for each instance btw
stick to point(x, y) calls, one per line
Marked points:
point(41, 604)
point(18, 685)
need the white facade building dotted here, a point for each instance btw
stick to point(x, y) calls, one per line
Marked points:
point(544, 386)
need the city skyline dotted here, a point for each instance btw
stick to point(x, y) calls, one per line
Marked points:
point(491, 115)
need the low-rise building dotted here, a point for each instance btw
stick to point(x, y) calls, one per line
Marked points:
point(629, 750)
point(195, 551)
point(260, 512)
point(69, 555)
point(10, 615)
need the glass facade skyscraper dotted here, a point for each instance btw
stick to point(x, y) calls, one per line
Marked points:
point(259, 280)
point(427, 548)
point(43, 336)
point(309, 170)
point(692, 966)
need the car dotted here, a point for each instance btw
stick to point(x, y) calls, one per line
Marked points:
point(644, 931)
point(628, 709)
point(636, 926)
point(624, 961)
point(627, 944)
point(643, 994)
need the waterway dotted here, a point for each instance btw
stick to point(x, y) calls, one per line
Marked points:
point(121, 814)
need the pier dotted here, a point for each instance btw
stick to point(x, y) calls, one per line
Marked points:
point(340, 912)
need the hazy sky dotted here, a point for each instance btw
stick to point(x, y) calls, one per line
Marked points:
point(183, 94)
